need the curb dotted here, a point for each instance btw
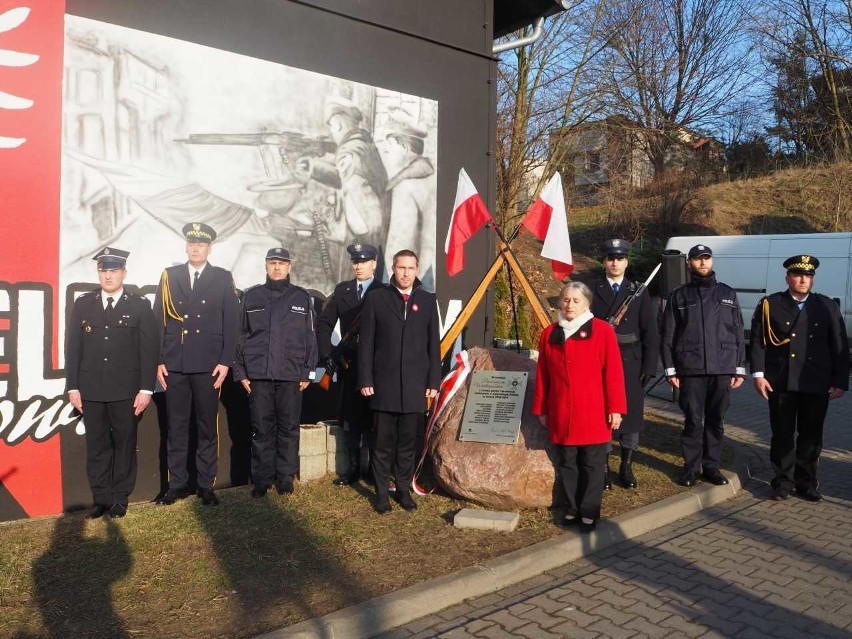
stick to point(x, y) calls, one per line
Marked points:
point(382, 614)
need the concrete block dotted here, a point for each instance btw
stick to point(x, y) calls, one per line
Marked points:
point(486, 520)
point(312, 439)
point(334, 435)
point(312, 466)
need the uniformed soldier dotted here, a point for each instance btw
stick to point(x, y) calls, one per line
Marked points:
point(111, 365)
point(344, 306)
point(276, 358)
point(799, 361)
point(198, 310)
point(638, 340)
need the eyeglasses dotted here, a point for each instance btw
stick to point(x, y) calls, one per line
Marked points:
point(615, 258)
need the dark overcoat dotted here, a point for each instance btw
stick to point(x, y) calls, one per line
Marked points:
point(399, 352)
point(817, 355)
point(198, 327)
point(639, 341)
point(111, 361)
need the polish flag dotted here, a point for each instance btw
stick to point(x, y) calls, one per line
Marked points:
point(547, 219)
point(469, 215)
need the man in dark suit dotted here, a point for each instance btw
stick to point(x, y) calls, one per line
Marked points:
point(111, 366)
point(799, 361)
point(198, 310)
point(399, 369)
point(638, 341)
point(345, 306)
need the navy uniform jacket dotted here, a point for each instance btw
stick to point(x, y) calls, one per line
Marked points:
point(205, 334)
point(277, 339)
point(399, 353)
point(343, 305)
point(815, 358)
point(109, 363)
point(638, 341)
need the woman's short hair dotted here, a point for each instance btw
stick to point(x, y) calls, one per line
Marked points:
point(584, 290)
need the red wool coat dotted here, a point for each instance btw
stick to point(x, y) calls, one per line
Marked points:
point(579, 383)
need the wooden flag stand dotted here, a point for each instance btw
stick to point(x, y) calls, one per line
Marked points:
point(505, 256)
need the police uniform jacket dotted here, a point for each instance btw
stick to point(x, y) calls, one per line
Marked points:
point(199, 326)
point(399, 352)
point(816, 357)
point(703, 330)
point(343, 305)
point(638, 339)
point(579, 381)
point(277, 338)
point(113, 361)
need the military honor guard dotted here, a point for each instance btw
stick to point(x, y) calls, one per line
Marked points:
point(198, 310)
point(799, 362)
point(345, 306)
point(111, 365)
point(275, 362)
point(703, 351)
point(638, 342)
point(399, 369)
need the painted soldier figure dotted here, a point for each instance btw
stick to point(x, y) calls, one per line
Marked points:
point(399, 369)
point(345, 306)
point(198, 311)
point(799, 361)
point(275, 362)
point(111, 365)
point(638, 341)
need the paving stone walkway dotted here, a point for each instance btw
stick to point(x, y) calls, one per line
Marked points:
point(750, 568)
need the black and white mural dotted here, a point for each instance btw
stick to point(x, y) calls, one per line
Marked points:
point(159, 132)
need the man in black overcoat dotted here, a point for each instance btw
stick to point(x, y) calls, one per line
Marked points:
point(111, 365)
point(638, 341)
point(345, 306)
point(799, 361)
point(198, 311)
point(399, 369)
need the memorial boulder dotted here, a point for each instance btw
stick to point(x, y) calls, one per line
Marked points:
point(498, 476)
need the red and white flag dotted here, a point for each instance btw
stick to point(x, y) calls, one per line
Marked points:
point(547, 219)
point(469, 215)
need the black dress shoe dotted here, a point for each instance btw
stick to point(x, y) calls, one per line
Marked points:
point(208, 497)
point(382, 506)
point(406, 501)
point(97, 511)
point(347, 479)
point(285, 487)
point(780, 494)
point(808, 494)
point(172, 495)
point(586, 527)
point(118, 510)
point(687, 479)
point(259, 491)
point(715, 476)
point(568, 521)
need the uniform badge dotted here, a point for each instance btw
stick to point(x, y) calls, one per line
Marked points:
point(88, 328)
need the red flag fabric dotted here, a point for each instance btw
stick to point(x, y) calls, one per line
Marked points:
point(547, 219)
point(469, 215)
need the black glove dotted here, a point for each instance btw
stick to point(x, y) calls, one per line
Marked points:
point(329, 364)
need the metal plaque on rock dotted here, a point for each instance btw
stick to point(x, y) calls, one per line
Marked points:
point(492, 412)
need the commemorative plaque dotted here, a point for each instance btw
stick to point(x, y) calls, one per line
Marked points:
point(492, 412)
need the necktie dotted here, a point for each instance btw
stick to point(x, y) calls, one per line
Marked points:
point(360, 291)
point(405, 297)
point(108, 310)
point(195, 280)
point(615, 287)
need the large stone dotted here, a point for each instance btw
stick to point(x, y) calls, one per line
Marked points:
point(497, 476)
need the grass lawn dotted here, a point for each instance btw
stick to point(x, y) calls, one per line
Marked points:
point(253, 565)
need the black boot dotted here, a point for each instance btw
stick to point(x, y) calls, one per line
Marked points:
point(625, 471)
point(607, 478)
point(353, 470)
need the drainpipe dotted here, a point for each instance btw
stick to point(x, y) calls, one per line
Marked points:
point(521, 42)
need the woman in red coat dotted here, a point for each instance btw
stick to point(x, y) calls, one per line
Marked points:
point(580, 397)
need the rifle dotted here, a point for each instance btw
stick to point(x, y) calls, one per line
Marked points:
point(616, 318)
point(335, 360)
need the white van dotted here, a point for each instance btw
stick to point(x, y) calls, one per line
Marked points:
point(753, 265)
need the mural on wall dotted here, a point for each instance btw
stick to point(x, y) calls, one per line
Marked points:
point(112, 136)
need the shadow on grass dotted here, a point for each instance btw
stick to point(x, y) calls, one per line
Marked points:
point(73, 578)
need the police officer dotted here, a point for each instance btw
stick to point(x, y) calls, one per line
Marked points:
point(638, 341)
point(198, 310)
point(276, 358)
point(344, 306)
point(703, 350)
point(799, 361)
point(111, 365)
